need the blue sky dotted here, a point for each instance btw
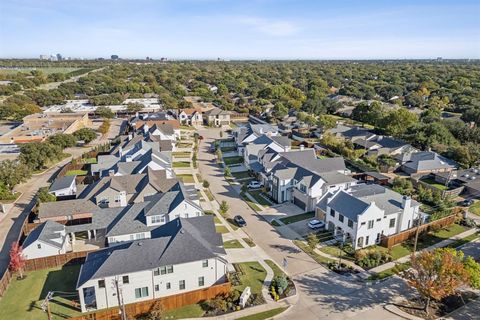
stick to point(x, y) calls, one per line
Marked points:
point(243, 29)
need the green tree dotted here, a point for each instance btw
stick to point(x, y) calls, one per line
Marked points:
point(105, 112)
point(473, 269)
point(224, 207)
point(85, 134)
point(62, 140)
point(206, 184)
point(44, 196)
point(312, 240)
point(13, 173)
point(37, 155)
point(398, 121)
point(134, 107)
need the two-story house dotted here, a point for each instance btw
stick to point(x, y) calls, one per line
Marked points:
point(191, 116)
point(363, 213)
point(187, 255)
point(216, 117)
point(300, 177)
point(252, 151)
point(244, 135)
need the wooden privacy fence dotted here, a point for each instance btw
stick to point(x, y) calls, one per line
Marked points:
point(5, 281)
point(390, 241)
point(167, 303)
point(56, 261)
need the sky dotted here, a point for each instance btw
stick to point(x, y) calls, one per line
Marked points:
point(241, 29)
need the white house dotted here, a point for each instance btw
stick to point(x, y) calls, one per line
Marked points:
point(64, 186)
point(364, 212)
point(253, 150)
point(164, 131)
point(250, 132)
point(187, 255)
point(191, 116)
point(300, 177)
point(48, 239)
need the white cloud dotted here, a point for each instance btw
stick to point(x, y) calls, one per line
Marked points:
point(271, 27)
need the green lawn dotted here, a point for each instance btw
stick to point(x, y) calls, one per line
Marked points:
point(221, 229)
point(23, 298)
point(185, 145)
point(90, 160)
point(189, 311)
point(232, 160)
point(298, 217)
point(276, 269)
point(216, 220)
point(241, 175)
point(265, 314)
point(275, 223)
point(434, 183)
point(249, 242)
point(9, 197)
point(261, 200)
point(251, 204)
point(181, 164)
point(76, 173)
point(404, 249)
point(390, 272)
point(186, 178)
point(253, 276)
point(181, 154)
point(232, 244)
point(475, 208)
point(209, 195)
point(228, 149)
point(315, 256)
point(336, 251)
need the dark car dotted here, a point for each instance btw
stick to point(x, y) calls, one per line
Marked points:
point(467, 202)
point(239, 221)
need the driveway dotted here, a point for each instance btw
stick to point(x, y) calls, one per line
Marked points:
point(322, 293)
point(281, 211)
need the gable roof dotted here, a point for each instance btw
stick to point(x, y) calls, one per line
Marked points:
point(179, 241)
point(65, 208)
point(62, 183)
point(428, 160)
point(47, 232)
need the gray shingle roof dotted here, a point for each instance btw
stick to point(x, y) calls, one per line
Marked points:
point(179, 241)
point(428, 160)
point(62, 183)
point(348, 205)
point(65, 208)
point(48, 232)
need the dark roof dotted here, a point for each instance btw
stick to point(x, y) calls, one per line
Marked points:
point(428, 160)
point(62, 183)
point(65, 208)
point(179, 241)
point(47, 232)
point(348, 205)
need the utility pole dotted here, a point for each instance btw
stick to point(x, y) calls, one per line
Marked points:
point(120, 300)
point(46, 304)
point(419, 222)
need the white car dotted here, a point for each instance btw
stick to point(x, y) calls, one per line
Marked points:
point(316, 224)
point(254, 185)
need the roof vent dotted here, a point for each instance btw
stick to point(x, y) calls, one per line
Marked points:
point(139, 244)
point(182, 231)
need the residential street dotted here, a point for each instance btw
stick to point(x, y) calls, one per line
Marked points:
point(323, 294)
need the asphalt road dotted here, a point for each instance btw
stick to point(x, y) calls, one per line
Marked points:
point(322, 294)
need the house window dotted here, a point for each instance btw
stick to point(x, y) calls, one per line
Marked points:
point(370, 224)
point(205, 263)
point(392, 223)
point(104, 201)
point(350, 223)
point(156, 272)
point(158, 219)
point(139, 236)
point(303, 188)
point(141, 292)
point(125, 279)
point(157, 287)
point(132, 237)
point(332, 212)
point(170, 269)
point(181, 285)
point(101, 283)
point(39, 246)
point(169, 286)
point(340, 217)
point(363, 223)
point(366, 240)
point(379, 219)
point(201, 281)
point(118, 198)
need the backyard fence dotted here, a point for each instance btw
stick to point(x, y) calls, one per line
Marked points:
point(5, 281)
point(167, 303)
point(451, 192)
point(390, 241)
point(56, 261)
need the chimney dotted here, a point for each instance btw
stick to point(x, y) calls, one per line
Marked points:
point(120, 152)
point(302, 147)
point(261, 130)
point(406, 202)
point(145, 128)
point(130, 136)
point(123, 198)
point(128, 158)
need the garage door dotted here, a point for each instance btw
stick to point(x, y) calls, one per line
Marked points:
point(299, 203)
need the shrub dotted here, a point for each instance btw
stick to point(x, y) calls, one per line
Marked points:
point(370, 258)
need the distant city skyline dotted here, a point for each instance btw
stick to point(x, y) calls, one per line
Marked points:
point(257, 29)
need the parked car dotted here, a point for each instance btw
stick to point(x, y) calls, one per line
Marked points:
point(211, 149)
point(254, 185)
point(240, 221)
point(316, 224)
point(467, 203)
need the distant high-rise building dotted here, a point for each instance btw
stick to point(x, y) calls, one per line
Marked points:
point(114, 57)
point(59, 57)
point(53, 57)
point(44, 57)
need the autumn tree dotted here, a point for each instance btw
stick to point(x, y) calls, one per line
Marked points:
point(17, 259)
point(437, 274)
